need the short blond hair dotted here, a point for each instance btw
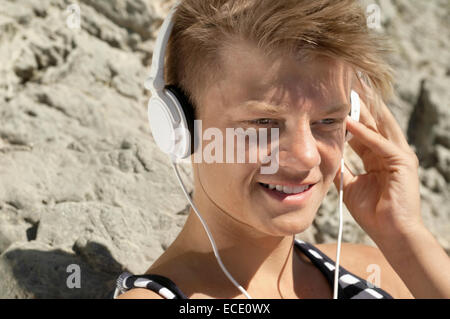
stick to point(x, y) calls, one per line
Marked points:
point(306, 28)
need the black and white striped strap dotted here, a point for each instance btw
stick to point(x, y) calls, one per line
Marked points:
point(159, 284)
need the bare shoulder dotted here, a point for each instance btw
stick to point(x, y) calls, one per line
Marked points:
point(139, 293)
point(368, 262)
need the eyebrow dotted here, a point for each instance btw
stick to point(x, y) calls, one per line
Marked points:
point(337, 108)
point(265, 107)
point(276, 109)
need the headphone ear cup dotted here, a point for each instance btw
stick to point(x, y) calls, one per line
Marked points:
point(187, 109)
point(163, 119)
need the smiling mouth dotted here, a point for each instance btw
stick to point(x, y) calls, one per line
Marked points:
point(287, 190)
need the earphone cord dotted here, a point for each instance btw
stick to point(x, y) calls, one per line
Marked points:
point(213, 244)
point(338, 252)
point(336, 274)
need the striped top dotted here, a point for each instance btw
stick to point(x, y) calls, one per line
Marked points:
point(350, 286)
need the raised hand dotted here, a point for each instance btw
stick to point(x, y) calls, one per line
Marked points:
point(386, 200)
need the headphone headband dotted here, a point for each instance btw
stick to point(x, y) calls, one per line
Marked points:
point(155, 81)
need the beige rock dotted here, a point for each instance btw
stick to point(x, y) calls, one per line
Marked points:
point(81, 179)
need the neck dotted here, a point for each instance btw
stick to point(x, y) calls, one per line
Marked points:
point(250, 256)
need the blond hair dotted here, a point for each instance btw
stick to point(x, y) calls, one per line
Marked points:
point(306, 28)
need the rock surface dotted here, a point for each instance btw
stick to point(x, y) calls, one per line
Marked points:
point(82, 182)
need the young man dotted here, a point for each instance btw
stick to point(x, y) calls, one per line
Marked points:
point(291, 64)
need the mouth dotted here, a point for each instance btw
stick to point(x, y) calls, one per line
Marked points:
point(292, 195)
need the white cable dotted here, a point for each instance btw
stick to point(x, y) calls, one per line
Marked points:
point(205, 226)
point(338, 252)
point(216, 253)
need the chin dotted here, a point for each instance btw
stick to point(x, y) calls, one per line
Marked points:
point(291, 223)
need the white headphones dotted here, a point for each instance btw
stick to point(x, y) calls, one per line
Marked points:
point(171, 117)
point(170, 113)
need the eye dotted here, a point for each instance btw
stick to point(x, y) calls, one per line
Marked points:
point(263, 121)
point(329, 121)
point(330, 124)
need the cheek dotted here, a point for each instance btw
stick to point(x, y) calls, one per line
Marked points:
point(213, 177)
point(226, 183)
point(330, 162)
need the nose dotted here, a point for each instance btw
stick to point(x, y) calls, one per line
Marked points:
point(298, 150)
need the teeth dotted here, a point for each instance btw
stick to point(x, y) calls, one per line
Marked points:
point(299, 189)
point(287, 189)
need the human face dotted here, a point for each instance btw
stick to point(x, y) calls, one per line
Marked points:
point(310, 103)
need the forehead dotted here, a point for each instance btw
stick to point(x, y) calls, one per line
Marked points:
point(247, 73)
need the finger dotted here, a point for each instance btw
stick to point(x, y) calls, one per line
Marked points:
point(366, 100)
point(359, 148)
point(372, 140)
point(366, 117)
point(368, 120)
point(385, 121)
point(389, 127)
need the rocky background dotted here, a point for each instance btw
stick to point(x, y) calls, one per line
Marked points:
point(81, 180)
